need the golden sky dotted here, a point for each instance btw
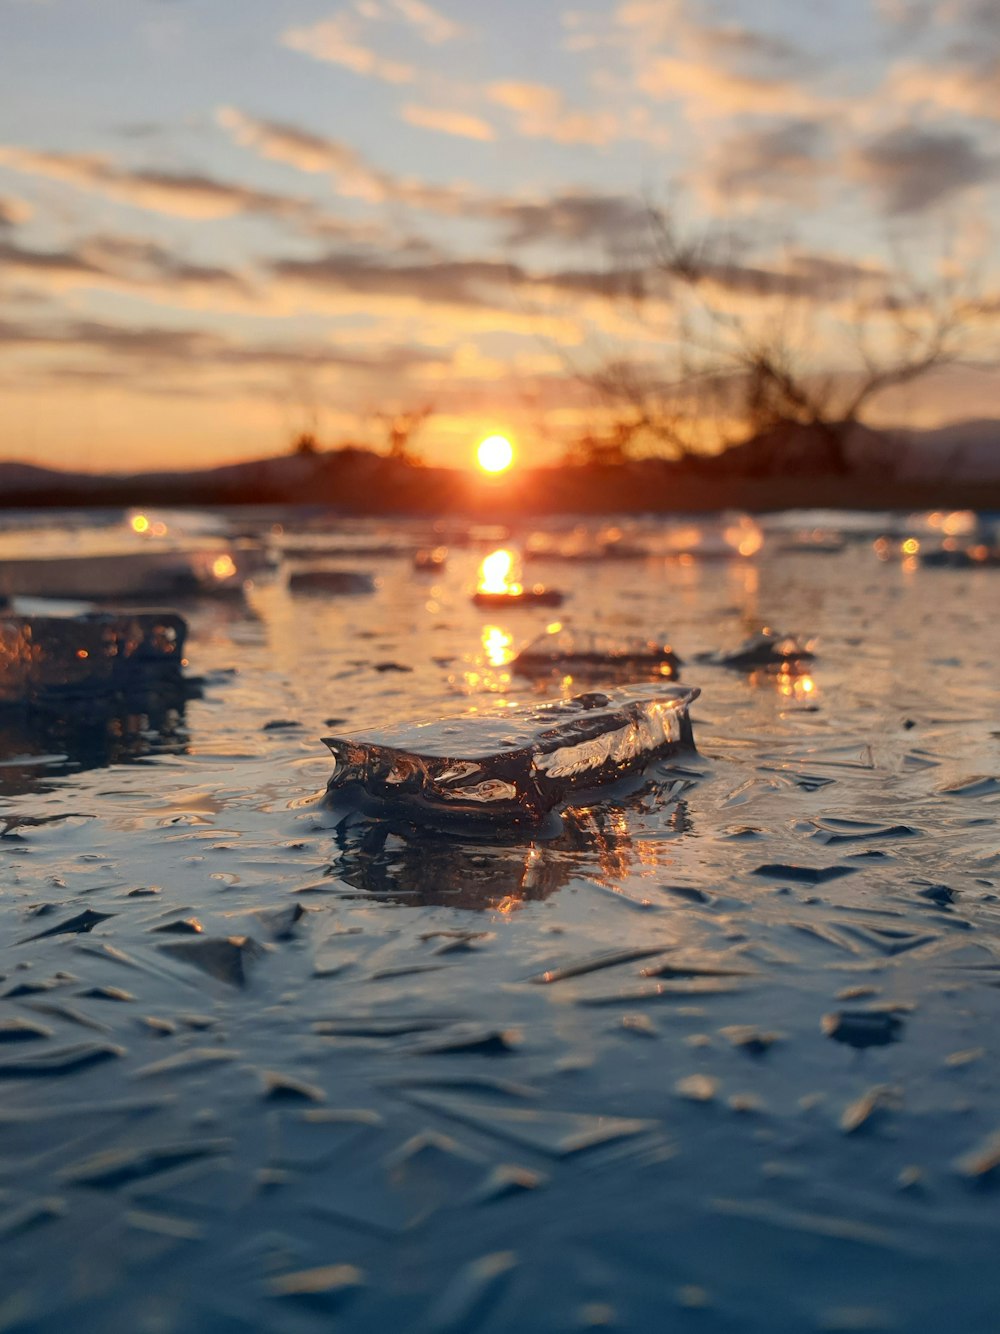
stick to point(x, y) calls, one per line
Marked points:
point(224, 224)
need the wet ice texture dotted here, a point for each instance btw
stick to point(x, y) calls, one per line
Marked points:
point(459, 1090)
point(512, 765)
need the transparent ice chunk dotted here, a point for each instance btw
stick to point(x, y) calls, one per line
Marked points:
point(767, 650)
point(44, 659)
point(349, 583)
point(510, 765)
point(584, 654)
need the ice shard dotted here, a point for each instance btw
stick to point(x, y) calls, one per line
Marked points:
point(766, 650)
point(349, 583)
point(584, 654)
point(500, 588)
point(537, 596)
point(48, 659)
point(510, 765)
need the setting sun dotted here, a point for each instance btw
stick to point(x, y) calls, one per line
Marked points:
point(495, 453)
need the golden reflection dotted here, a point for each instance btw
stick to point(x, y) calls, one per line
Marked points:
point(496, 573)
point(745, 537)
point(682, 541)
point(910, 547)
point(498, 646)
point(959, 523)
point(801, 688)
point(224, 567)
point(488, 675)
point(140, 524)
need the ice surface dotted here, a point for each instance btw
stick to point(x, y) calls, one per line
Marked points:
point(511, 765)
point(45, 659)
point(581, 653)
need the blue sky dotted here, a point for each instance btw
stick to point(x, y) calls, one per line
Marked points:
point(224, 221)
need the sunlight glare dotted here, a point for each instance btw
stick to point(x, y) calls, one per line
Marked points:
point(496, 573)
point(495, 454)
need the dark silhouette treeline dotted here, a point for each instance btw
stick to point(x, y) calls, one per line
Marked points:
point(763, 474)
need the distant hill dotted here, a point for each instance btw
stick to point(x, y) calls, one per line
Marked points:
point(15, 477)
point(969, 449)
point(956, 466)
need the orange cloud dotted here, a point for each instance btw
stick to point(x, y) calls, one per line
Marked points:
point(336, 41)
point(541, 113)
point(972, 90)
point(13, 211)
point(185, 195)
point(459, 123)
point(433, 26)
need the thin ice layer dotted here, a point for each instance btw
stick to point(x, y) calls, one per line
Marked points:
point(511, 765)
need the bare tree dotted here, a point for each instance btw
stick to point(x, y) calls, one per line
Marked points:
point(745, 343)
point(401, 429)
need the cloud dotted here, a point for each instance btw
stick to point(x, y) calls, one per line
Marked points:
point(183, 194)
point(971, 89)
point(912, 169)
point(13, 211)
point(58, 266)
point(774, 162)
point(130, 265)
point(541, 113)
point(288, 143)
point(192, 195)
point(474, 282)
point(568, 216)
point(459, 123)
point(432, 25)
point(715, 90)
point(201, 350)
point(713, 68)
point(355, 176)
point(337, 41)
point(574, 216)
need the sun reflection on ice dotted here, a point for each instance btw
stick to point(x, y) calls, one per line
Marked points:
point(498, 646)
point(496, 573)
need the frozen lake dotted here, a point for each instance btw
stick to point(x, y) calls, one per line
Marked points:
point(719, 1054)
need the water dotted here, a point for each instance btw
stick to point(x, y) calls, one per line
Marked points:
point(718, 1054)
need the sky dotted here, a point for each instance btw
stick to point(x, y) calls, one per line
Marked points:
point(225, 222)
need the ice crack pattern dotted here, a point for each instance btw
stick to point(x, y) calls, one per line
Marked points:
point(727, 1021)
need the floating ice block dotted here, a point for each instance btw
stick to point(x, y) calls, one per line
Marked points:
point(510, 766)
point(44, 659)
point(583, 654)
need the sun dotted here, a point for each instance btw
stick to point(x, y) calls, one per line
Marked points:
point(495, 454)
